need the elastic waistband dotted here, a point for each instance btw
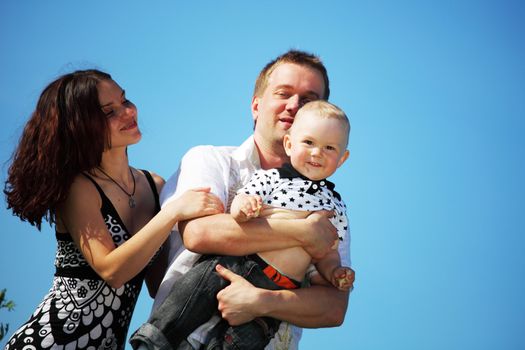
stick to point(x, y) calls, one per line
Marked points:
point(277, 277)
point(82, 272)
point(87, 272)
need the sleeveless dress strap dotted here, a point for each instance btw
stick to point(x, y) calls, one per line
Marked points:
point(153, 189)
point(99, 189)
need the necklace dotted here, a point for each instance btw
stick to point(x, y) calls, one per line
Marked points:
point(131, 201)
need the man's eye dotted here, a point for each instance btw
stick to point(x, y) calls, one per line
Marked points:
point(305, 101)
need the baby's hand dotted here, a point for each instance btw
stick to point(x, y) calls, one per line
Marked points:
point(245, 207)
point(252, 206)
point(343, 278)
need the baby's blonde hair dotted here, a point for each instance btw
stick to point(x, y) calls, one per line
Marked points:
point(325, 109)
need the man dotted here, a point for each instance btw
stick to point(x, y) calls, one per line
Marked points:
point(282, 87)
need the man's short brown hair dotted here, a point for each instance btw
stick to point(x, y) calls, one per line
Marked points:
point(301, 58)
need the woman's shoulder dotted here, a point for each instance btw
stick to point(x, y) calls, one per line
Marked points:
point(83, 196)
point(84, 187)
point(157, 179)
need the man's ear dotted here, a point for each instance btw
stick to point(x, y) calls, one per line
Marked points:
point(255, 108)
point(343, 158)
point(287, 144)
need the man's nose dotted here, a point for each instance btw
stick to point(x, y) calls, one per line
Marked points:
point(292, 105)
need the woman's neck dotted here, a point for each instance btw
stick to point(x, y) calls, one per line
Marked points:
point(115, 163)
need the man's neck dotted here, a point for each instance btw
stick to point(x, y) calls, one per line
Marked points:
point(271, 156)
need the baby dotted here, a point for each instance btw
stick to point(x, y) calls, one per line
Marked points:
point(316, 144)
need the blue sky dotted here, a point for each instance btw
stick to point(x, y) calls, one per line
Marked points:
point(435, 92)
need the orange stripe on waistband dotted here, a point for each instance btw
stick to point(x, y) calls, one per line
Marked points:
point(279, 278)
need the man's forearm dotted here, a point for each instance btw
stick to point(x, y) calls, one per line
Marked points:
point(313, 307)
point(221, 234)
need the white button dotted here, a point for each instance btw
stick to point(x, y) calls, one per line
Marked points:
point(314, 186)
point(322, 183)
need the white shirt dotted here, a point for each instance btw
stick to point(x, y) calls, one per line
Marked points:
point(225, 169)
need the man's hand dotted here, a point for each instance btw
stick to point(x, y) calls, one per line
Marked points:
point(321, 235)
point(237, 301)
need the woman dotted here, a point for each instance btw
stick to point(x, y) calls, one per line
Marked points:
point(107, 215)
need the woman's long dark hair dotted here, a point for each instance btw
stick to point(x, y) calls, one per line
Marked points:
point(65, 136)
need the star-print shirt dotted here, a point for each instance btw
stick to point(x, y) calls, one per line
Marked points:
point(286, 188)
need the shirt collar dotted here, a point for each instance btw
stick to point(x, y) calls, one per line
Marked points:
point(247, 152)
point(287, 171)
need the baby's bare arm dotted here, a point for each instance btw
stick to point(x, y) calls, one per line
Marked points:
point(330, 268)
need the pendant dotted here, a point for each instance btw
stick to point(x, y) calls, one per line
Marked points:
point(131, 202)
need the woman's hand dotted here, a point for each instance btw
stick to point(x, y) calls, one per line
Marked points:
point(195, 203)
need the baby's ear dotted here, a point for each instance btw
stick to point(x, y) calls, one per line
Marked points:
point(287, 144)
point(343, 158)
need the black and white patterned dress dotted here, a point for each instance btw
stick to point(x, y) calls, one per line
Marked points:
point(81, 311)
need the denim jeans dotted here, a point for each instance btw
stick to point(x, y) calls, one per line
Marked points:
point(192, 301)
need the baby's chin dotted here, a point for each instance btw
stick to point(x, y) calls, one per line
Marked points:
point(312, 175)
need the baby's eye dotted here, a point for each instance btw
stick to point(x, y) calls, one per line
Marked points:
point(330, 148)
point(308, 142)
